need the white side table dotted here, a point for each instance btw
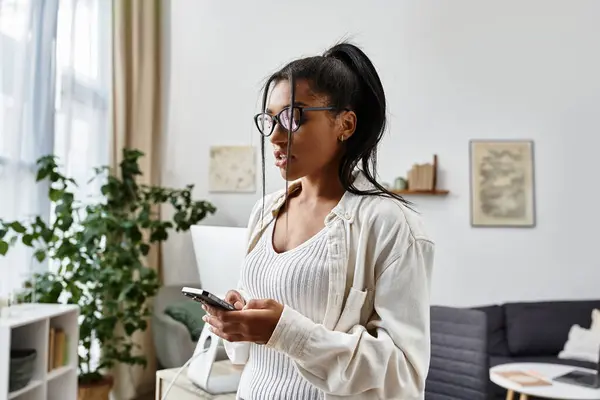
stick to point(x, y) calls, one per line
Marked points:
point(557, 390)
point(183, 388)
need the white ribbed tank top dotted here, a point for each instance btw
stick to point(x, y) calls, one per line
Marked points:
point(298, 278)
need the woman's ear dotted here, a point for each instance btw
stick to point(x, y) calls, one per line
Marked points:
point(347, 125)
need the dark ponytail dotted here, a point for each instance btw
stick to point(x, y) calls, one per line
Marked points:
point(348, 78)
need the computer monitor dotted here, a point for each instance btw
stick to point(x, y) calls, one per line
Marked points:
point(220, 253)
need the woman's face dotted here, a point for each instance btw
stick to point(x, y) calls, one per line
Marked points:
point(316, 145)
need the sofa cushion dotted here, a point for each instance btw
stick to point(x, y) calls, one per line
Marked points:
point(583, 344)
point(190, 314)
point(595, 320)
point(542, 328)
point(496, 330)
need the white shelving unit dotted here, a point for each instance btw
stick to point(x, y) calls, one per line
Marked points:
point(28, 327)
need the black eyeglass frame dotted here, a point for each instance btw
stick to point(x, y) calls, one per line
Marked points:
point(275, 118)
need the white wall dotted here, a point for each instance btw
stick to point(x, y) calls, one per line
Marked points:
point(453, 71)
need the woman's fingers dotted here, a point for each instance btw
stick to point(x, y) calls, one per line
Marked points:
point(230, 337)
point(238, 305)
point(213, 321)
point(231, 332)
point(214, 311)
point(235, 298)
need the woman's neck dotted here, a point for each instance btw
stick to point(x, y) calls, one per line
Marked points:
point(324, 186)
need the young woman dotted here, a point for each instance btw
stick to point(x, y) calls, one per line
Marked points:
point(333, 300)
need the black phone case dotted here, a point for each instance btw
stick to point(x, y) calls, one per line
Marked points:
point(218, 303)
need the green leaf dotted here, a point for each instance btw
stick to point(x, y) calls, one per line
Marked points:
point(17, 227)
point(180, 217)
point(55, 194)
point(130, 329)
point(127, 224)
point(147, 273)
point(3, 233)
point(144, 248)
point(68, 197)
point(27, 240)
point(159, 234)
point(136, 235)
point(42, 174)
point(40, 255)
point(3, 248)
point(47, 235)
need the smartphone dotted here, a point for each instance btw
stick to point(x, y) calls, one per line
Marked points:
point(205, 297)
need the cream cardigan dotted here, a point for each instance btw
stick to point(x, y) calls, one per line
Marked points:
point(374, 341)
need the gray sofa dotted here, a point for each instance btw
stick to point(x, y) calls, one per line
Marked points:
point(466, 342)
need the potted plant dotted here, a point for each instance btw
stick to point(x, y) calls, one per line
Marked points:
point(98, 252)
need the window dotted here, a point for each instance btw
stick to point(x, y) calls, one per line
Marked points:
point(83, 86)
point(54, 98)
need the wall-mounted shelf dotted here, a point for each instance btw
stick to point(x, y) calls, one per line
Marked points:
point(436, 192)
point(423, 178)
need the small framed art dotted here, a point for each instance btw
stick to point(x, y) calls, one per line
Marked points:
point(232, 169)
point(502, 183)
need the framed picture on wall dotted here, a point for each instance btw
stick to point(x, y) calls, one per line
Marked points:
point(502, 183)
point(232, 169)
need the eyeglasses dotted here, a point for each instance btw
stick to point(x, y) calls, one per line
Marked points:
point(288, 118)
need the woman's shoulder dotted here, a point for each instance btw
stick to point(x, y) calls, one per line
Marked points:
point(269, 201)
point(266, 204)
point(389, 215)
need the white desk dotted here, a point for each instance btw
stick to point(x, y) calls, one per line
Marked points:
point(557, 390)
point(183, 389)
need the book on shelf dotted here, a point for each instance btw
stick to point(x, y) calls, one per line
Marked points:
point(58, 348)
point(421, 177)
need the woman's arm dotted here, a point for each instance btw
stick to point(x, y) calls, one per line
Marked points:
point(387, 360)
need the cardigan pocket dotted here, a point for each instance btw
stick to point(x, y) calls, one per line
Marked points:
point(351, 314)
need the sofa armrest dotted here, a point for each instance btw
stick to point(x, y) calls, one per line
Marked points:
point(172, 341)
point(459, 367)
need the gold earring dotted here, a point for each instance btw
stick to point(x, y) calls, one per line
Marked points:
point(341, 138)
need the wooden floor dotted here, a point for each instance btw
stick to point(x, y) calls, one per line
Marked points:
point(147, 396)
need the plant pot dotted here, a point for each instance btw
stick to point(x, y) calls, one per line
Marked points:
point(96, 390)
point(22, 363)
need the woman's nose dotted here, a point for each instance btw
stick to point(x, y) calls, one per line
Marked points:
point(280, 135)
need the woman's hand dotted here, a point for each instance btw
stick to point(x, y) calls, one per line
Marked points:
point(254, 323)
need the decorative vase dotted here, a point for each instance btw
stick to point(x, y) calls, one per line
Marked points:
point(400, 184)
point(95, 390)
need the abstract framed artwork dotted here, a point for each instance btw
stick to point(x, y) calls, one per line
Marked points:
point(232, 169)
point(502, 183)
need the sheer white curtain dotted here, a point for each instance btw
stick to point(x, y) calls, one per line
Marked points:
point(54, 91)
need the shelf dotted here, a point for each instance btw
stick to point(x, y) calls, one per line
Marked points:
point(60, 381)
point(32, 385)
point(421, 192)
point(55, 373)
point(28, 326)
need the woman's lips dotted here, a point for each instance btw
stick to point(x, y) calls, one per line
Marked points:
point(281, 159)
